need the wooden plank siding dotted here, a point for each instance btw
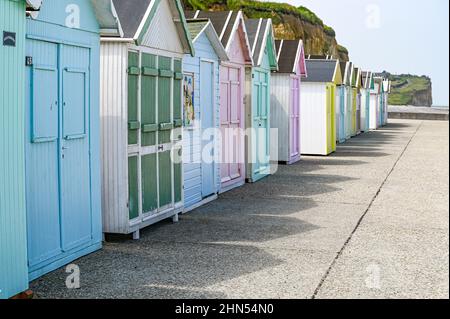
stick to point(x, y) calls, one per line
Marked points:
point(192, 137)
point(13, 242)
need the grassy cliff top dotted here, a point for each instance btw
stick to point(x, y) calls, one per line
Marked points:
point(290, 22)
point(254, 9)
point(405, 86)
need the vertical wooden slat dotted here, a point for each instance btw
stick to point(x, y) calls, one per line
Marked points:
point(133, 83)
point(148, 99)
point(13, 255)
point(133, 187)
point(178, 174)
point(149, 183)
point(165, 179)
point(164, 98)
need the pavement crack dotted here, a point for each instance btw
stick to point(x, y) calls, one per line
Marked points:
point(358, 224)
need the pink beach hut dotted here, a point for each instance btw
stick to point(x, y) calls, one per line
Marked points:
point(231, 29)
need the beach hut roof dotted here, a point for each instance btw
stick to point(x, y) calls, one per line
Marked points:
point(324, 71)
point(197, 27)
point(367, 79)
point(227, 25)
point(260, 36)
point(107, 18)
point(356, 77)
point(135, 17)
point(291, 56)
point(379, 81)
point(346, 71)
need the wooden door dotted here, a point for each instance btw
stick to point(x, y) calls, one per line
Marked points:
point(294, 119)
point(207, 104)
point(42, 155)
point(57, 151)
point(154, 128)
point(75, 159)
point(230, 117)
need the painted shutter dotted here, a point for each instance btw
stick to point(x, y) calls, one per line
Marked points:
point(133, 83)
point(178, 133)
point(149, 183)
point(133, 187)
point(164, 99)
point(165, 179)
point(148, 100)
point(177, 103)
point(178, 175)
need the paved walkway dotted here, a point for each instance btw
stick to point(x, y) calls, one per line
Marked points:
point(370, 221)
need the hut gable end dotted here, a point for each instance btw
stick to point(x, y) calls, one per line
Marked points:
point(162, 33)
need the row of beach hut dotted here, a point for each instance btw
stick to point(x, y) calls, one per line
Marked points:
point(119, 114)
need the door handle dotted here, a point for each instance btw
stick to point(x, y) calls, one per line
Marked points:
point(161, 147)
point(65, 148)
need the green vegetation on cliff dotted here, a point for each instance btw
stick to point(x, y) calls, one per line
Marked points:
point(409, 89)
point(290, 22)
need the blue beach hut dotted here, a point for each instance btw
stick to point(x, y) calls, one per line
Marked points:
point(13, 243)
point(201, 115)
point(62, 134)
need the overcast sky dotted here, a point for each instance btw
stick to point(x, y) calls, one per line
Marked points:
point(399, 36)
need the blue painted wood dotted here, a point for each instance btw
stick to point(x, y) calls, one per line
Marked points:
point(261, 118)
point(193, 166)
point(367, 106)
point(381, 112)
point(207, 100)
point(341, 129)
point(13, 255)
point(62, 135)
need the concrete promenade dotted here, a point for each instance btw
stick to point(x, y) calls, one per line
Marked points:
point(370, 221)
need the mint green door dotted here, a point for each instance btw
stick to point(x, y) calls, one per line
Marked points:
point(154, 132)
point(260, 111)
